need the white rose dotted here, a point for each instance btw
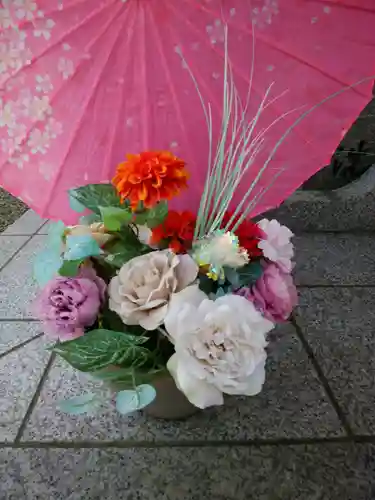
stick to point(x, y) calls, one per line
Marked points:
point(220, 346)
point(140, 293)
point(276, 246)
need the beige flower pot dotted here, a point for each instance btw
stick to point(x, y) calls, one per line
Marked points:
point(169, 404)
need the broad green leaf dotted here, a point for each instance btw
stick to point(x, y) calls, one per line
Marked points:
point(131, 401)
point(46, 266)
point(114, 217)
point(78, 405)
point(157, 214)
point(98, 349)
point(70, 268)
point(94, 196)
point(74, 203)
point(79, 247)
point(250, 273)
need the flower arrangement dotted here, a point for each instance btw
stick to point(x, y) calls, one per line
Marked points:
point(137, 291)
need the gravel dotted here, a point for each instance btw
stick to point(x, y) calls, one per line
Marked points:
point(10, 209)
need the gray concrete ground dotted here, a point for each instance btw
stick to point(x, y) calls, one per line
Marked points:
point(309, 435)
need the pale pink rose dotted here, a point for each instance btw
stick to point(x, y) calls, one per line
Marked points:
point(276, 244)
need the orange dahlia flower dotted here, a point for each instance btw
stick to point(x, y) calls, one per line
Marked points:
point(176, 232)
point(150, 177)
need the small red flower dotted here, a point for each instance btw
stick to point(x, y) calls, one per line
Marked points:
point(177, 231)
point(248, 233)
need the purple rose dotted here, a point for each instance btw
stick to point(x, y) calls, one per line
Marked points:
point(274, 294)
point(67, 305)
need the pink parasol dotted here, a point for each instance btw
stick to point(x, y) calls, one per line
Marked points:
point(84, 82)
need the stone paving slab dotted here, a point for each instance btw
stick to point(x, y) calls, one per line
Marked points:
point(14, 333)
point(45, 228)
point(20, 372)
point(292, 404)
point(335, 259)
point(339, 326)
point(28, 224)
point(351, 207)
point(9, 246)
point(313, 472)
point(17, 286)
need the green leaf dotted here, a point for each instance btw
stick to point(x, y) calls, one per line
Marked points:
point(129, 237)
point(141, 218)
point(112, 321)
point(70, 268)
point(114, 217)
point(80, 247)
point(157, 214)
point(94, 196)
point(131, 401)
point(232, 276)
point(78, 405)
point(98, 349)
point(250, 273)
point(152, 217)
